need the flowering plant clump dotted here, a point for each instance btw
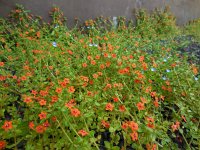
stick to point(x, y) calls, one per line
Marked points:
point(88, 88)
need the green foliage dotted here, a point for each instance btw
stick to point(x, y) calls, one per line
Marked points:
point(66, 89)
point(193, 28)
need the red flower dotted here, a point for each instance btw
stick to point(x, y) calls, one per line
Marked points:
point(82, 132)
point(134, 136)
point(75, 112)
point(140, 106)
point(40, 129)
point(7, 125)
point(109, 106)
point(2, 145)
point(42, 115)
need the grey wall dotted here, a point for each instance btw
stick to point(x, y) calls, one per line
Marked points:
point(184, 10)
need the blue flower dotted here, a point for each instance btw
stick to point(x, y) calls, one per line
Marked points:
point(90, 44)
point(168, 70)
point(165, 60)
point(54, 44)
point(195, 78)
point(95, 45)
point(153, 69)
point(56, 26)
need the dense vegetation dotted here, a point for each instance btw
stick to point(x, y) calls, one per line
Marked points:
point(98, 86)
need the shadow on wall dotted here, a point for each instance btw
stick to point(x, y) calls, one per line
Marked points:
point(184, 10)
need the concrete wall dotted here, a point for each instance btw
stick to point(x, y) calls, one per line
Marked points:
point(184, 10)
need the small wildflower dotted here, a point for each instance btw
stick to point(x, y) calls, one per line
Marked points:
point(75, 112)
point(82, 132)
point(2, 145)
point(54, 44)
point(140, 106)
point(153, 69)
point(109, 106)
point(42, 115)
point(134, 136)
point(168, 70)
point(40, 129)
point(7, 125)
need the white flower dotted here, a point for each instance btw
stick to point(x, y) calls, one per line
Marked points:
point(164, 78)
point(153, 69)
point(195, 78)
point(168, 70)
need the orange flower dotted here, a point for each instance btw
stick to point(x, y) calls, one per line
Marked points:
point(34, 92)
point(109, 106)
point(95, 76)
point(70, 104)
point(93, 62)
point(84, 65)
point(23, 78)
point(42, 115)
point(151, 147)
point(2, 145)
point(46, 124)
point(71, 89)
point(27, 100)
point(143, 99)
point(140, 106)
point(82, 132)
point(122, 108)
point(2, 64)
point(7, 125)
point(42, 102)
point(175, 126)
point(75, 112)
point(195, 70)
point(124, 125)
point(115, 99)
point(31, 125)
point(105, 124)
point(156, 104)
point(43, 93)
point(150, 123)
point(141, 59)
point(134, 136)
point(58, 90)
point(133, 125)
point(40, 129)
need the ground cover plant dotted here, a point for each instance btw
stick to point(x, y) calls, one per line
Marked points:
point(97, 86)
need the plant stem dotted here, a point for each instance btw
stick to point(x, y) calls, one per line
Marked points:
point(65, 133)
